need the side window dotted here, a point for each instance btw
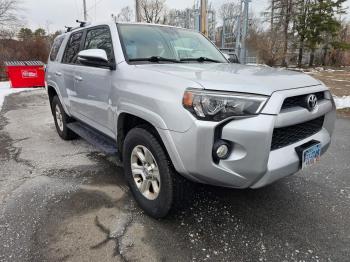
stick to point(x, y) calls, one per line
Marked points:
point(72, 48)
point(56, 47)
point(100, 38)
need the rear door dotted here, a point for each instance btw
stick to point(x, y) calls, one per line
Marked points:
point(54, 76)
point(67, 68)
point(93, 84)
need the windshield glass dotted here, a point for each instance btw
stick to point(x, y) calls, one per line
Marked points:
point(169, 43)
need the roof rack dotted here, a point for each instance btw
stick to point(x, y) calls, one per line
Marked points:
point(81, 24)
point(68, 29)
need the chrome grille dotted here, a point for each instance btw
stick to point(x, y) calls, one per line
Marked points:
point(295, 101)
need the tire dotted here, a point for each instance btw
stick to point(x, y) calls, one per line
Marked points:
point(159, 203)
point(61, 120)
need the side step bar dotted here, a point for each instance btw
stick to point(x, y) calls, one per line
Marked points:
point(102, 142)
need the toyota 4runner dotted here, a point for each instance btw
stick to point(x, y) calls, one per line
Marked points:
point(172, 107)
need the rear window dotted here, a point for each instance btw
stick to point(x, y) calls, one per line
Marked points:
point(72, 48)
point(56, 47)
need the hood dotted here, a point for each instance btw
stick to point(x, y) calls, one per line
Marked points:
point(234, 77)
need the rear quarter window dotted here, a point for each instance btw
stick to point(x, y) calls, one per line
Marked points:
point(56, 47)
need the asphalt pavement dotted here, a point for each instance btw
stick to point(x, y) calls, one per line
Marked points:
point(65, 201)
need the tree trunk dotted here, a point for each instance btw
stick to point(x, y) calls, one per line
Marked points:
point(325, 51)
point(287, 14)
point(285, 47)
point(301, 51)
point(272, 14)
point(312, 58)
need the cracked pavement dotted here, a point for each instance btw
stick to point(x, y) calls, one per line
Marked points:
point(65, 201)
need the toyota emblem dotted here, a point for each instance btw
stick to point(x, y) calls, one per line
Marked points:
point(311, 102)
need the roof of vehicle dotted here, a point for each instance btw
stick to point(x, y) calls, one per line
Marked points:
point(161, 25)
point(75, 29)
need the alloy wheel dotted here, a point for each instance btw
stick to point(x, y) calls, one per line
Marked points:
point(145, 172)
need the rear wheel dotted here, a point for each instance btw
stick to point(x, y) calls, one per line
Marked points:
point(150, 174)
point(61, 120)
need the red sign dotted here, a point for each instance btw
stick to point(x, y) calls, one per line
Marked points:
point(31, 73)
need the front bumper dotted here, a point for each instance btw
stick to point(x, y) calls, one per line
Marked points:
point(251, 164)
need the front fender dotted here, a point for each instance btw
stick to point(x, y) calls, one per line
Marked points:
point(143, 113)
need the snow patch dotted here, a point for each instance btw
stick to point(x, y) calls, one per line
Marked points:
point(5, 90)
point(342, 102)
point(340, 80)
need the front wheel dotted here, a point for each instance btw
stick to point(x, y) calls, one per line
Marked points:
point(149, 172)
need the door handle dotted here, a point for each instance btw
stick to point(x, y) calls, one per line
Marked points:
point(58, 73)
point(78, 78)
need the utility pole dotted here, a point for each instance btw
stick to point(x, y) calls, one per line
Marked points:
point(197, 16)
point(239, 32)
point(85, 11)
point(223, 39)
point(204, 17)
point(243, 54)
point(137, 11)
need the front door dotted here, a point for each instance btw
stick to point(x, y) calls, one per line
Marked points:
point(93, 85)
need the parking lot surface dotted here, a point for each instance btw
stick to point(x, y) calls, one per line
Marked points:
point(65, 201)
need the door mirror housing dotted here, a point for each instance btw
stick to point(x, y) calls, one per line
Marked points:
point(234, 59)
point(227, 56)
point(95, 57)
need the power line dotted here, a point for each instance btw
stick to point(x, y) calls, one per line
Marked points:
point(87, 9)
point(77, 8)
point(94, 5)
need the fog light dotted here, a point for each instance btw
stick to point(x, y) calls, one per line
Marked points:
point(221, 150)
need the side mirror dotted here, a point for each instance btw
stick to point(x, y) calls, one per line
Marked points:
point(227, 56)
point(234, 59)
point(94, 57)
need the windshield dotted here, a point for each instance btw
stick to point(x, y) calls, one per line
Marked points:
point(142, 42)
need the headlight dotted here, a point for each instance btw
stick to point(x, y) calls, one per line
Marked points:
point(217, 106)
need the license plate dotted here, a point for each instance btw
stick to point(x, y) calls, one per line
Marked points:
point(311, 156)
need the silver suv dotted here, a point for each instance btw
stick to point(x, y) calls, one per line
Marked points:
point(170, 105)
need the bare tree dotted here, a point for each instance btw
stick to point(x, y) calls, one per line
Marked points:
point(229, 12)
point(8, 12)
point(282, 14)
point(229, 9)
point(152, 11)
point(125, 15)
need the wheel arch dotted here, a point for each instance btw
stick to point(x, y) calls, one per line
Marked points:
point(127, 121)
point(52, 92)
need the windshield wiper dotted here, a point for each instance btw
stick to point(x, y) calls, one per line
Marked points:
point(201, 59)
point(155, 59)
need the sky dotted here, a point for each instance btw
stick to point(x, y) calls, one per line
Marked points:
point(53, 15)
